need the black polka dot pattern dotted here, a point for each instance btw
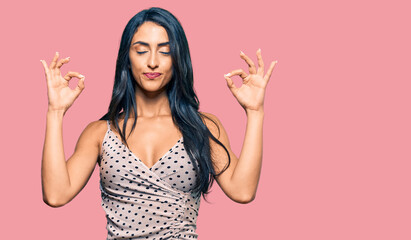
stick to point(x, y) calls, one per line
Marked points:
point(147, 203)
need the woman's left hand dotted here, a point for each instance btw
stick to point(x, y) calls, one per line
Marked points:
point(251, 93)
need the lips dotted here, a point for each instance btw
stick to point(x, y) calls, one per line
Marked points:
point(152, 75)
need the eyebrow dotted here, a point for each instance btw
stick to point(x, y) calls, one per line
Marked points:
point(146, 44)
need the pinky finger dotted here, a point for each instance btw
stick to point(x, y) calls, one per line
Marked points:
point(46, 68)
point(270, 70)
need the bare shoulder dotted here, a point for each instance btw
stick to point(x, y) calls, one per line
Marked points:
point(95, 131)
point(98, 125)
point(213, 124)
point(209, 115)
point(221, 156)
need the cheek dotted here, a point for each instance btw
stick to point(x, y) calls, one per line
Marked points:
point(135, 73)
point(170, 73)
point(170, 68)
point(135, 69)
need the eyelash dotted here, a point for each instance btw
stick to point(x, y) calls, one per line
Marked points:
point(166, 53)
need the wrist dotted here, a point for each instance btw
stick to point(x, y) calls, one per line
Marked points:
point(259, 112)
point(55, 112)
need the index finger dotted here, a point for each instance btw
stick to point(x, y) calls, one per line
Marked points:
point(270, 70)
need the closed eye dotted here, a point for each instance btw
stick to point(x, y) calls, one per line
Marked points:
point(166, 53)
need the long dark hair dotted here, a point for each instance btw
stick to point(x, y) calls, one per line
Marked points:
point(184, 103)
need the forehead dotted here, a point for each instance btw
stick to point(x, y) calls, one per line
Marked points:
point(150, 32)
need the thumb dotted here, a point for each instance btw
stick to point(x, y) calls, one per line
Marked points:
point(230, 83)
point(80, 86)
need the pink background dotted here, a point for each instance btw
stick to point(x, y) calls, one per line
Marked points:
point(337, 125)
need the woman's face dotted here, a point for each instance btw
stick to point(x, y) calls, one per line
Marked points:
point(150, 58)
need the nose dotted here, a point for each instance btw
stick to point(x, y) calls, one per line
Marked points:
point(153, 60)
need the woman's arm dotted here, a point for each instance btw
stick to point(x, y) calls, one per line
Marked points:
point(240, 181)
point(62, 180)
point(55, 179)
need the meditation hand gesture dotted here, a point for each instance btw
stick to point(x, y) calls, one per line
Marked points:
point(251, 93)
point(60, 95)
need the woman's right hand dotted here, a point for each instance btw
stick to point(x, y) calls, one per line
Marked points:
point(60, 95)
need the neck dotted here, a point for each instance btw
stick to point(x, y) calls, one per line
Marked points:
point(152, 104)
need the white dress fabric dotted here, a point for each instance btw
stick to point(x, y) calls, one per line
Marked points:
point(147, 203)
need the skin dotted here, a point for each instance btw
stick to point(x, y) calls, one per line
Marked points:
point(155, 131)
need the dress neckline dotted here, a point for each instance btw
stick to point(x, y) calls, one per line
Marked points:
point(135, 156)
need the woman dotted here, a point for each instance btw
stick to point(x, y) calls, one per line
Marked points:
point(147, 191)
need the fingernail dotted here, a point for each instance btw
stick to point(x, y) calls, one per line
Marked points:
point(68, 57)
point(241, 52)
point(81, 76)
point(57, 52)
point(227, 75)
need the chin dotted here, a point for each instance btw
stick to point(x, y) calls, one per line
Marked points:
point(151, 89)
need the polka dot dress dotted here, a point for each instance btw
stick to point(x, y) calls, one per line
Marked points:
point(147, 203)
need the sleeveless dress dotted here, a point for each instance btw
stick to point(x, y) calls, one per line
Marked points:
point(147, 203)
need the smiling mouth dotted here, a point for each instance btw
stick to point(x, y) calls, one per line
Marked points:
point(152, 75)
